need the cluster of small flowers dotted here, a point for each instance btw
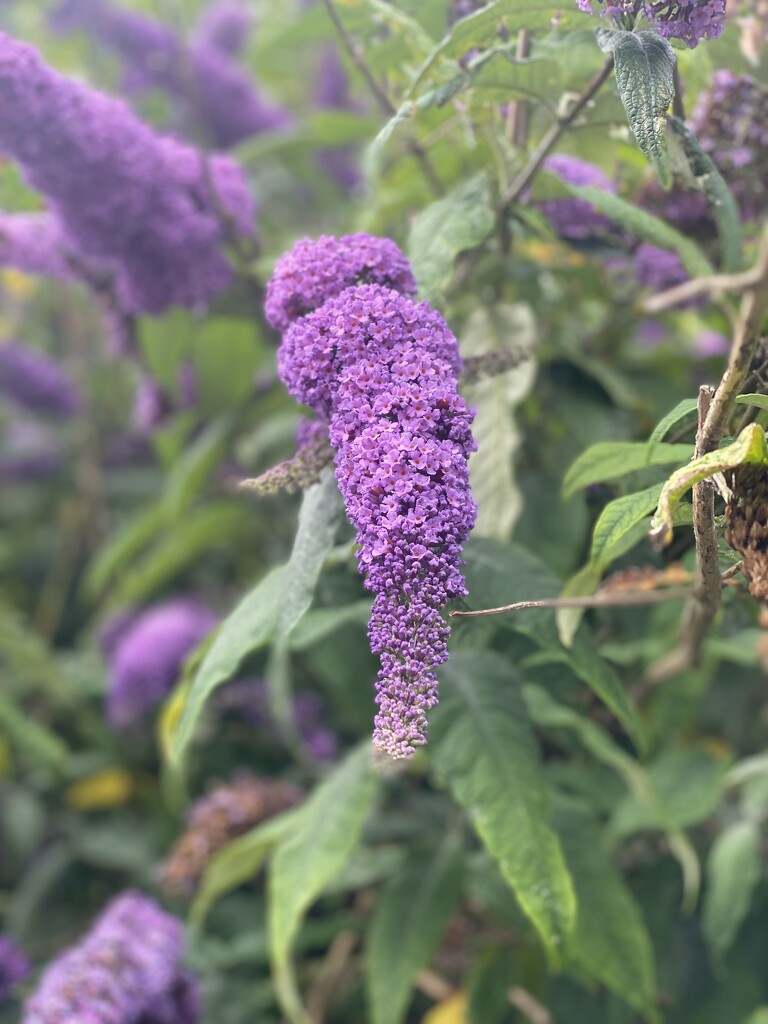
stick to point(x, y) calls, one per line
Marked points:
point(731, 123)
point(36, 383)
point(690, 21)
point(249, 699)
point(383, 370)
point(313, 454)
point(146, 206)
point(219, 817)
point(34, 243)
point(146, 653)
point(14, 966)
point(125, 971)
point(216, 94)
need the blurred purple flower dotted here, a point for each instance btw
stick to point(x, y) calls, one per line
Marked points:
point(146, 205)
point(249, 698)
point(224, 26)
point(35, 382)
point(690, 21)
point(217, 94)
point(28, 452)
point(125, 971)
point(331, 92)
point(14, 966)
point(571, 218)
point(711, 343)
point(656, 269)
point(148, 657)
point(34, 243)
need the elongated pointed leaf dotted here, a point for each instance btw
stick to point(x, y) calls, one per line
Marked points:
point(733, 871)
point(411, 915)
point(610, 460)
point(645, 65)
point(321, 842)
point(610, 943)
point(749, 448)
point(684, 410)
point(483, 746)
point(617, 524)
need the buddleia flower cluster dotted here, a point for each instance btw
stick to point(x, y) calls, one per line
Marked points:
point(217, 818)
point(731, 123)
point(382, 369)
point(690, 21)
point(146, 653)
point(213, 92)
point(34, 243)
point(147, 207)
point(36, 383)
point(126, 970)
point(14, 966)
point(572, 218)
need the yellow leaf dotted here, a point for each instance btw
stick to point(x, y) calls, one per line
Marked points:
point(453, 1010)
point(109, 788)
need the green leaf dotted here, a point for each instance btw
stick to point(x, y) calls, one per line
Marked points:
point(682, 411)
point(35, 741)
point(699, 170)
point(239, 862)
point(683, 788)
point(610, 944)
point(733, 871)
point(759, 401)
point(247, 629)
point(323, 622)
point(491, 467)
point(403, 25)
point(499, 574)
point(323, 838)
point(270, 611)
point(583, 583)
point(461, 220)
point(644, 64)
point(550, 714)
point(617, 520)
point(749, 448)
point(609, 460)
point(647, 227)
point(483, 746)
point(482, 27)
point(412, 912)
point(195, 466)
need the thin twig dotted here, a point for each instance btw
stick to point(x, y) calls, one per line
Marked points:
point(563, 122)
point(603, 599)
point(715, 286)
point(384, 103)
point(529, 1006)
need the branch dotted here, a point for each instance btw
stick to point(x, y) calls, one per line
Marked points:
point(384, 103)
point(563, 122)
point(603, 599)
point(715, 286)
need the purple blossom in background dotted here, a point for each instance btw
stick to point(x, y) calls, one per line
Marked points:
point(384, 370)
point(331, 92)
point(29, 452)
point(146, 205)
point(249, 698)
point(731, 123)
point(710, 344)
point(571, 218)
point(656, 269)
point(14, 966)
point(150, 406)
point(148, 657)
point(125, 971)
point(218, 96)
point(224, 26)
point(315, 270)
point(34, 243)
point(35, 382)
point(691, 21)
point(463, 8)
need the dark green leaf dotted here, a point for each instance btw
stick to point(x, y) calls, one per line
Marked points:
point(411, 915)
point(645, 65)
point(483, 746)
point(733, 871)
point(609, 460)
point(684, 410)
point(617, 519)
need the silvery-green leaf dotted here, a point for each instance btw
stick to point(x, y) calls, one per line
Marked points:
point(644, 65)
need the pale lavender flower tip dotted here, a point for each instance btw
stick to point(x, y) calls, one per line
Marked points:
point(14, 966)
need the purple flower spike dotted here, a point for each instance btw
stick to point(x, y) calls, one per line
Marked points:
point(36, 383)
point(146, 206)
point(34, 243)
point(225, 27)
point(384, 368)
point(317, 270)
point(148, 656)
point(691, 21)
point(14, 966)
point(125, 971)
